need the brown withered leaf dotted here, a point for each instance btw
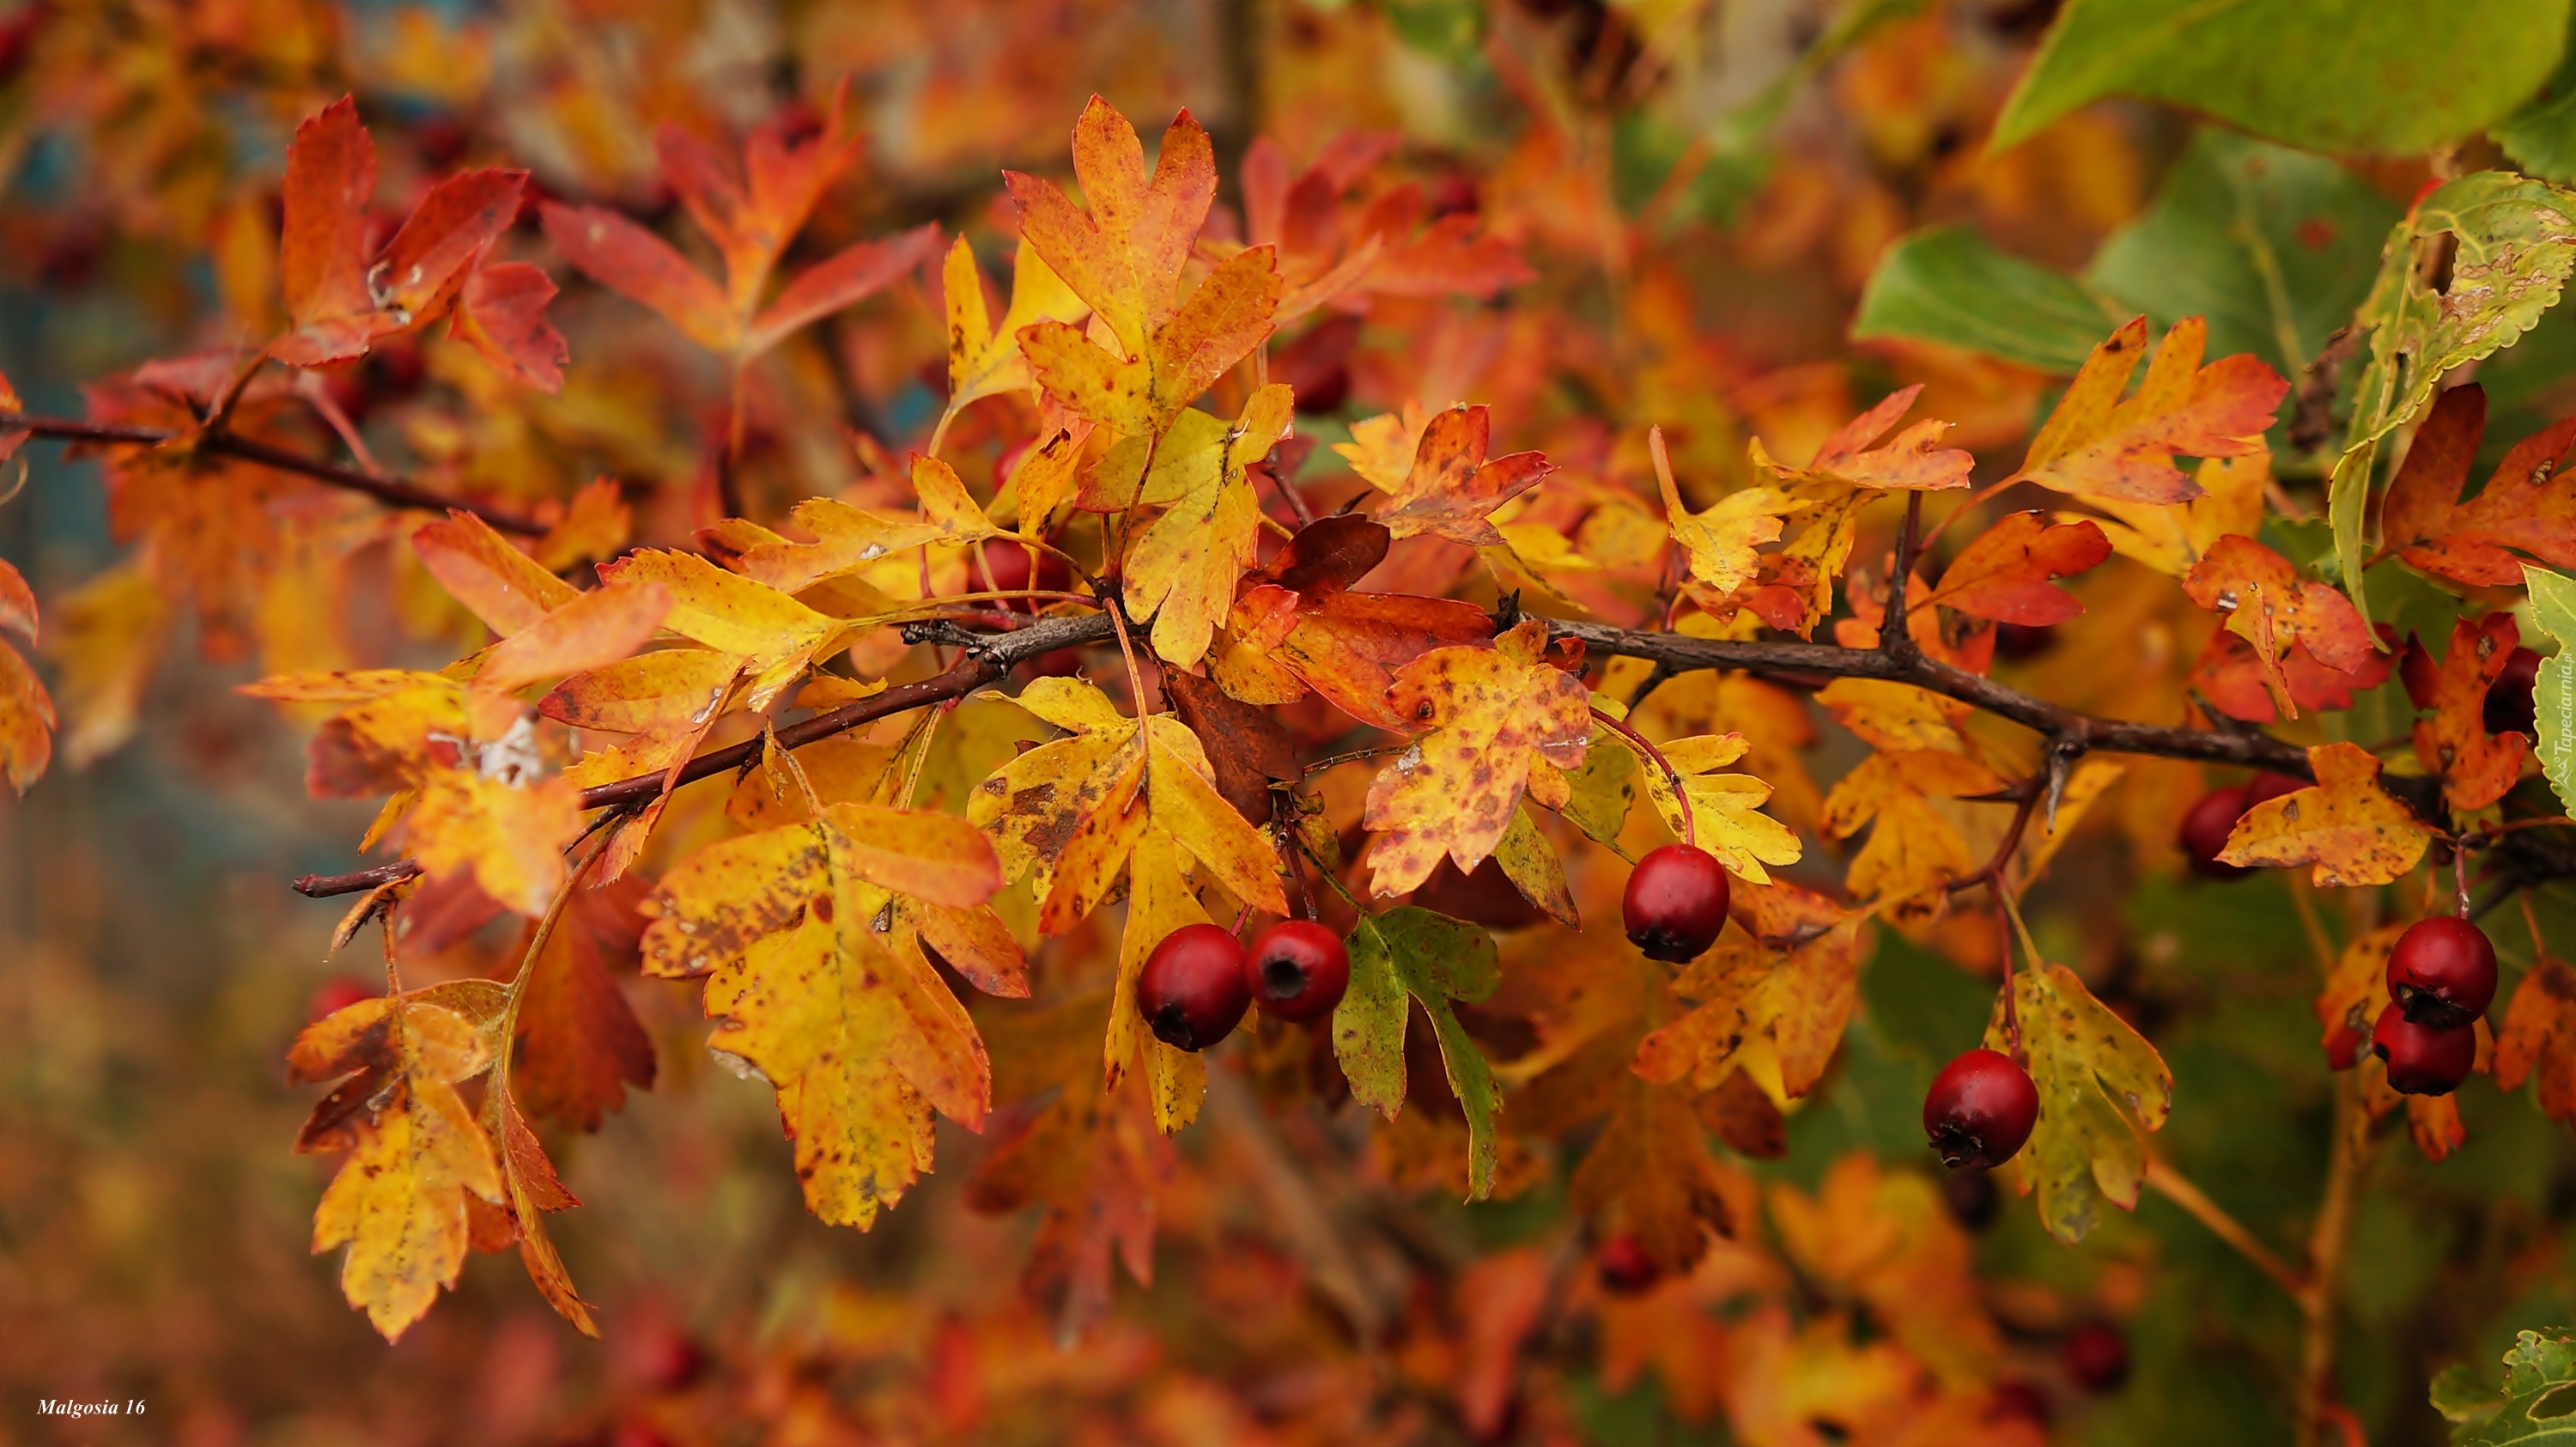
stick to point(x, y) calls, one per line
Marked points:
point(579, 1043)
point(1245, 745)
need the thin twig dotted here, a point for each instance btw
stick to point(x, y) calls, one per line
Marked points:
point(383, 489)
point(1672, 776)
point(2178, 1189)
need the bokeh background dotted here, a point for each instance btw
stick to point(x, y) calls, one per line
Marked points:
point(1701, 190)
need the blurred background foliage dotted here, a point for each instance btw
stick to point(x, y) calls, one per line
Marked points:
point(1744, 216)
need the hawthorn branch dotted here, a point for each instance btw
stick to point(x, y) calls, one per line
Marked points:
point(390, 490)
point(2071, 733)
point(986, 658)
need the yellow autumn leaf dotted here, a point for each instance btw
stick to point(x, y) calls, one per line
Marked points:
point(985, 360)
point(2101, 1088)
point(2352, 830)
point(1493, 718)
point(1182, 569)
point(1725, 810)
point(1722, 542)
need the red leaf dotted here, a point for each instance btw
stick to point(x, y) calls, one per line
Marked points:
point(2453, 745)
point(330, 176)
point(452, 225)
point(642, 267)
point(842, 281)
point(2005, 574)
point(501, 313)
point(2271, 607)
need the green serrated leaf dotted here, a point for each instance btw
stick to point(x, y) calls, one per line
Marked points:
point(1601, 791)
point(2329, 75)
point(1950, 285)
point(1434, 959)
point(2541, 137)
point(2514, 244)
point(2537, 1405)
point(2553, 608)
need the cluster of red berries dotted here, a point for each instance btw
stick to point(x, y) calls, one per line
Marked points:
point(1198, 982)
point(2441, 978)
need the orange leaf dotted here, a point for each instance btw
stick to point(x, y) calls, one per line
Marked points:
point(2523, 507)
point(2097, 445)
point(2239, 684)
point(486, 572)
point(2345, 824)
point(2476, 768)
point(642, 267)
point(1492, 717)
point(579, 1043)
point(322, 251)
point(2004, 575)
point(1913, 461)
point(1451, 486)
point(500, 313)
point(2271, 607)
point(843, 280)
point(1125, 257)
point(595, 629)
point(2538, 1041)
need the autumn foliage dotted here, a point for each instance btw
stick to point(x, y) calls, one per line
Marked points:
point(1387, 752)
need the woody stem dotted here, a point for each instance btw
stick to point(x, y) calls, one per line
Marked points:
point(1655, 756)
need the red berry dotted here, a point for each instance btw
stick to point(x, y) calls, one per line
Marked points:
point(2343, 1048)
point(1192, 991)
point(2510, 708)
point(2267, 786)
point(337, 994)
point(2206, 827)
point(2422, 1060)
point(2097, 1356)
point(1626, 1269)
point(1012, 571)
point(1297, 970)
point(1676, 903)
point(2442, 972)
point(1980, 1110)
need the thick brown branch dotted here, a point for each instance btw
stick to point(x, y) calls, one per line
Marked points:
point(988, 658)
point(384, 489)
point(2074, 732)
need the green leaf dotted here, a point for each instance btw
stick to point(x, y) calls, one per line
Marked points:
point(1533, 868)
point(2100, 1086)
point(2540, 1367)
point(1950, 285)
point(2274, 246)
point(2553, 607)
point(2542, 137)
point(1434, 959)
point(2328, 75)
point(1600, 792)
point(2514, 243)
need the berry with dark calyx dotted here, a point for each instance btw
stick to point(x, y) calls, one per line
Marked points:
point(2097, 1357)
point(2206, 827)
point(1297, 970)
point(1980, 1110)
point(2510, 708)
point(1626, 1269)
point(1191, 991)
point(2422, 1060)
point(2442, 972)
point(1676, 903)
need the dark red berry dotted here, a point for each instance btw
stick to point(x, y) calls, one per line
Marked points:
point(2442, 972)
point(2422, 1060)
point(1676, 903)
point(1980, 1110)
point(2097, 1356)
point(2205, 830)
point(2344, 1046)
point(1626, 1269)
point(1297, 970)
point(1191, 991)
point(2510, 708)
point(2017, 641)
point(2018, 1399)
point(1013, 571)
